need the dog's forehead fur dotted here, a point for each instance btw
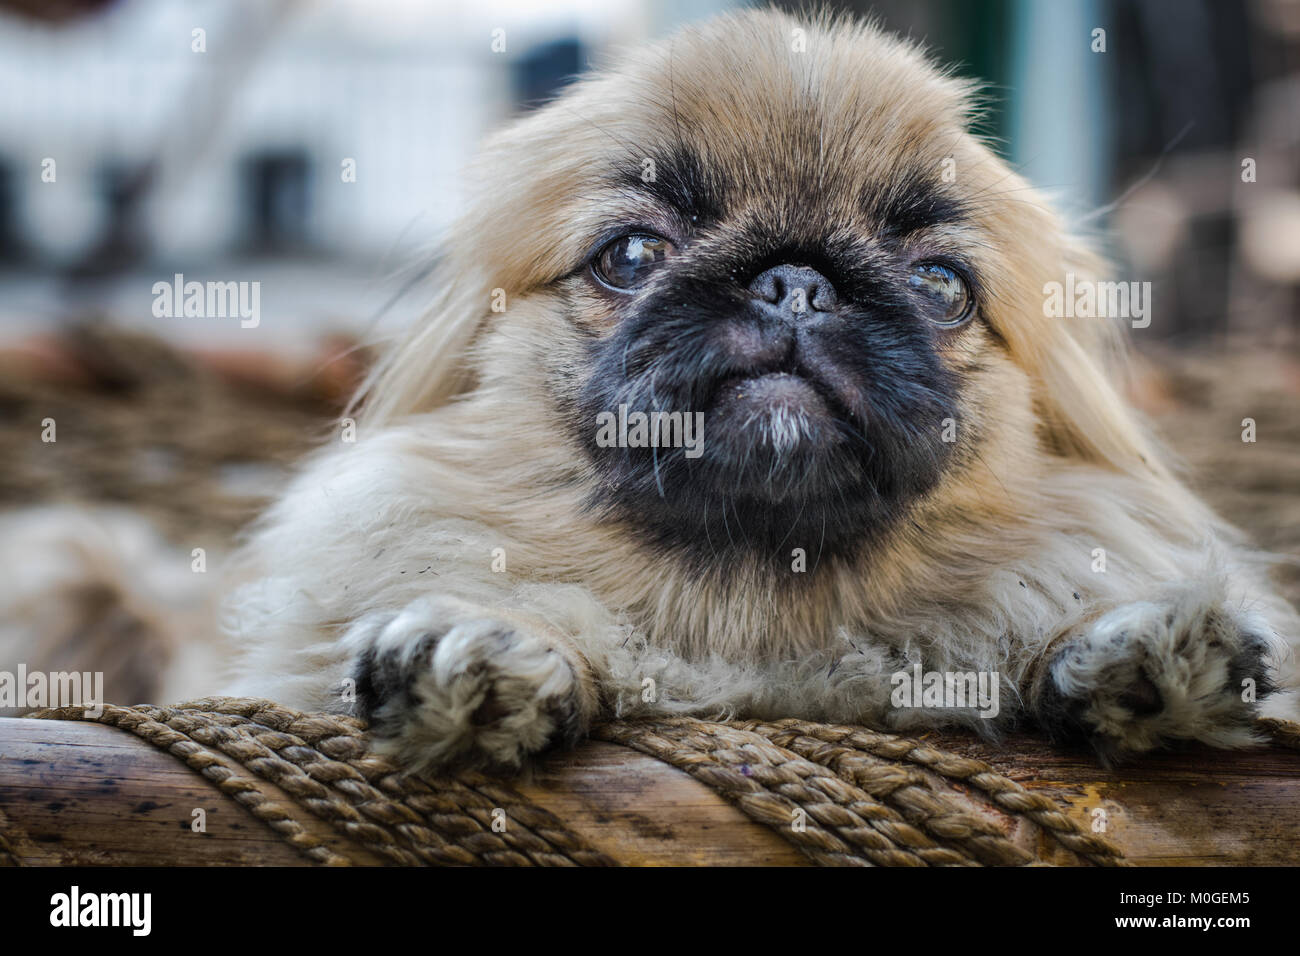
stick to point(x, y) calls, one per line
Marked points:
point(764, 112)
point(806, 126)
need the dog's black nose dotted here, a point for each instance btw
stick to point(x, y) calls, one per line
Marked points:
point(792, 291)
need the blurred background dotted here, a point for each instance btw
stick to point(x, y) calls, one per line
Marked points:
point(316, 147)
point(144, 137)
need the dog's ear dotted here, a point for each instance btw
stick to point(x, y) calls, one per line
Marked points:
point(1077, 364)
point(429, 363)
point(515, 236)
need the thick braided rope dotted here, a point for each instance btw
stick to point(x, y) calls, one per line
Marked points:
point(843, 824)
point(1002, 790)
point(322, 763)
point(369, 817)
point(944, 816)
point(535, 832)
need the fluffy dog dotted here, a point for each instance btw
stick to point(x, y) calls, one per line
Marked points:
point(738, 396)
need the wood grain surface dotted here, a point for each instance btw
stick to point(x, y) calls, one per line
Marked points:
point(83, 793)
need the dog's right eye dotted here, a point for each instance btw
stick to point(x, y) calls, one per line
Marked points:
point(627, 262)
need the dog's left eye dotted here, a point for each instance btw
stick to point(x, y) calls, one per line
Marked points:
point(950, 298)
point(627, 262)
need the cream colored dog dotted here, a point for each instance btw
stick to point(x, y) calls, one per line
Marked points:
point(738, 396)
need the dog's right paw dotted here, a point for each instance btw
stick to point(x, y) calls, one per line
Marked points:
point(447, 682)
point(1151, 673)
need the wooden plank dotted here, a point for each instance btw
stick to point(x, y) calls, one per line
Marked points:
point(84, 793)
point(1197, 807)
point(78, 793)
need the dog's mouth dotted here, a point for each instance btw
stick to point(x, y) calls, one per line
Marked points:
point(773, 391)
point(786, 406)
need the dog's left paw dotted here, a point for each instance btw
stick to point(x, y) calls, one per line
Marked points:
point(447, 682)
point(1147, 673)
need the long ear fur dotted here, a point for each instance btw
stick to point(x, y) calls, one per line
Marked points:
point(432, 363)
point(427, 366)
point(1077, 363)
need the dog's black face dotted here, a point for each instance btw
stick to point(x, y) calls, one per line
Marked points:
point(809, 349)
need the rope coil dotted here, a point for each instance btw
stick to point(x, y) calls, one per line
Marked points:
point(844, 796)
point(856, 789)
point(323, 763)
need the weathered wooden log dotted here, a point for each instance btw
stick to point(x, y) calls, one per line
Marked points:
point(86, 794)
point(82, 793)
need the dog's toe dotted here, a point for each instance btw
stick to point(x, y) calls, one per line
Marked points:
point(1142, 697)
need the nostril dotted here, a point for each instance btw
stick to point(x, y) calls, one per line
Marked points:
point(823, 298)
point(794, 289)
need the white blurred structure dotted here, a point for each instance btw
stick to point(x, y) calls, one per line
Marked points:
point(313, 145)
point(284, 91)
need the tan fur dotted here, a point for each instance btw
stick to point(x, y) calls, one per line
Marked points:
point(462, 447)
